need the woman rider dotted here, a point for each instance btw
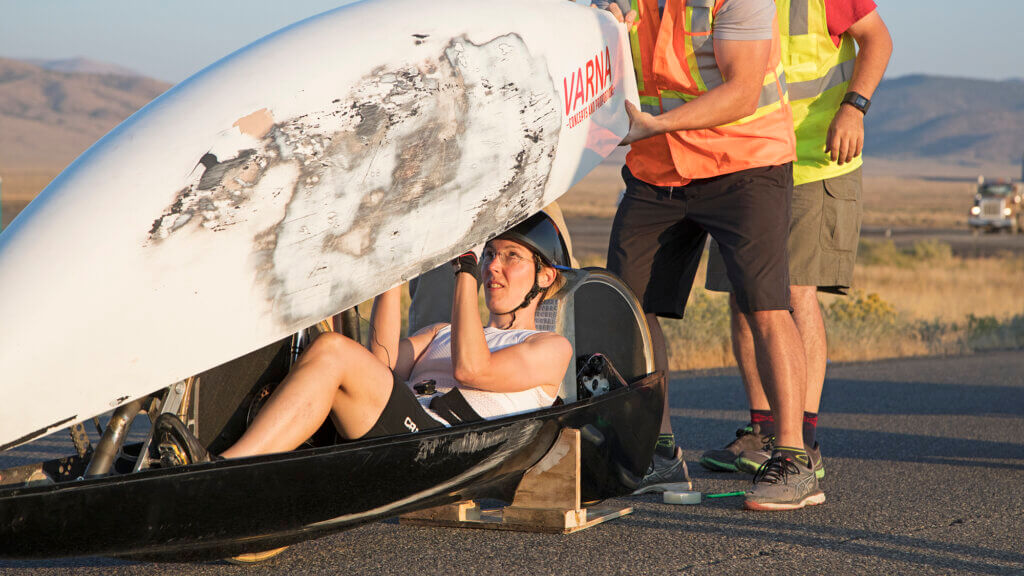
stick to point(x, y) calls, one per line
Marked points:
point(474, 372)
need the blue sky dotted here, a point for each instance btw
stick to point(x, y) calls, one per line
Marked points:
point(171, 39)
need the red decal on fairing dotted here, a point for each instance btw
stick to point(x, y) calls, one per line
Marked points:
point(588, 88)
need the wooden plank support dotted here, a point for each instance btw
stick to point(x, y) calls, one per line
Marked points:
point(547, 499)
point(466, 510)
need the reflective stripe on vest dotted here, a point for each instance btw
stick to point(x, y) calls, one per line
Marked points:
point(699, 45)
point(819, 76)
point(641, 47)
point(675, 62)
point(838, 75)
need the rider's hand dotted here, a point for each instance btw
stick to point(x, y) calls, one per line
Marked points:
point(468, 263)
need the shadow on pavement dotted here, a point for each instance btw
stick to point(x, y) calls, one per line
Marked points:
point(866, 543)
point(68, 563)
point(845, 396)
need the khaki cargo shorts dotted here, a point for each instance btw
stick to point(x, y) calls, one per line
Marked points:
point(823, 236)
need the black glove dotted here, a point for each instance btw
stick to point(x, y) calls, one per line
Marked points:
point(467, 264)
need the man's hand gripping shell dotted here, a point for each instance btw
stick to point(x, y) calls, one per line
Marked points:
point(640, 123)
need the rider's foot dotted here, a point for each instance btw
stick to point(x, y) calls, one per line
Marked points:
point(176, 445)
point(724, 459)
point(666, 474)
point(785, 482)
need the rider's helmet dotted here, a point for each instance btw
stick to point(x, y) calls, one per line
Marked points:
point(542, 236)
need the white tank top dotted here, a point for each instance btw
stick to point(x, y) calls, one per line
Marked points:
point(436, 364)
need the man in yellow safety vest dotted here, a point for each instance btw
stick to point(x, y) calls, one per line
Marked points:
point(830, 85)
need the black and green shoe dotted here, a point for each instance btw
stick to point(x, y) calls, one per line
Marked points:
point(724, 459)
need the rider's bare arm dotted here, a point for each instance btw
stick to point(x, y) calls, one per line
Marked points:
point(540, 360)
point(386, 326)
point(399, 354)
point(412, 348)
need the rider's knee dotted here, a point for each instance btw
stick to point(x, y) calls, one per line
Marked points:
point(329, 345)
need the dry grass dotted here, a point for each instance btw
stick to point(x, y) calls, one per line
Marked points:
point(20, 187)
point(894, 202)
point(949, 291)
point(921, 301)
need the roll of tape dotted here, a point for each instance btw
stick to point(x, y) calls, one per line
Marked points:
point(684, 497)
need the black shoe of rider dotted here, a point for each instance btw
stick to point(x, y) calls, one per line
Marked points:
point(176, 445)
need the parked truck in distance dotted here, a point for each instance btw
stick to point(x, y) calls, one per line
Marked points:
point(997, 207)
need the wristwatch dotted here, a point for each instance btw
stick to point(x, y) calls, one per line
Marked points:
point(857, 101)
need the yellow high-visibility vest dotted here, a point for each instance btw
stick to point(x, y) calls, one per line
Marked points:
point(818, 76)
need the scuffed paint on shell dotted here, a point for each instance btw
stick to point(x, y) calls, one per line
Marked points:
point(415, 162)
point(508, 439)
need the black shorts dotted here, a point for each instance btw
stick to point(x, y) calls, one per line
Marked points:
point(659, 234)
point(402, 414)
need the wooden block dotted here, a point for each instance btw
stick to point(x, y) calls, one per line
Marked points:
point(547, 499)
point(554, 482)
point(553, 518)
point(556, 522)
point(464, 511)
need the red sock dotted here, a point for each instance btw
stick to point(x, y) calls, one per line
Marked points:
point(810, 423)
point(763, 418)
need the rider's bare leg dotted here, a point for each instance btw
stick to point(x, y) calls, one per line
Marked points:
point(336, 377)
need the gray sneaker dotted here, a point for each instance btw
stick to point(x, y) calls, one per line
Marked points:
point(666, 474)
point(750, 461)
point(783, 483)
point(724, 459)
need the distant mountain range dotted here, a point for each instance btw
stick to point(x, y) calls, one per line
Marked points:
point(958, 119)
point(82, 66)
point(51, 111)
point(49, 117)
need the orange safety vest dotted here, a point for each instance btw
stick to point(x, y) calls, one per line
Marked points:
point(674, 60)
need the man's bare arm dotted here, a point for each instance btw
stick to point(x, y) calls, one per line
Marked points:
point(845, 139)
point(742, 63)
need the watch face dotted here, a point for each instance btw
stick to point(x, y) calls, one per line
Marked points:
point(857, 101)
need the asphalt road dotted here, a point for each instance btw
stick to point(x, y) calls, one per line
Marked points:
point(590, 236)
point(924, 459)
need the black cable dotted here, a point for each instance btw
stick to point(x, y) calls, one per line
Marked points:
point(373, 334)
